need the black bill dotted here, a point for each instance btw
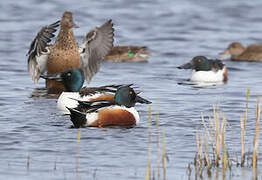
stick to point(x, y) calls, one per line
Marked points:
point(186, 66)
point(142, 100)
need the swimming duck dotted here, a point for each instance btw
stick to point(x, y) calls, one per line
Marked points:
point(239, 53)
point(206, 70)
point(128, 54)
point(120, 112)
point(73, 80)
point(65, 53)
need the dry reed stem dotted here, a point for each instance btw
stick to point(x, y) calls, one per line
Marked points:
point(217, 134)
point(207, 131)
point(247, 99)
point(199, 147)
point(211, 126)
point(224, 146)
point(256, 137)
point(207, 160)
point(217, 127)
point(148, 172)
point(242, 125)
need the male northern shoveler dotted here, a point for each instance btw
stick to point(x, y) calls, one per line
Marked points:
point(120, 112)
point(206, 70)
point(239, 53)
point(73, 80)
point(128, 54)
point(65, 53)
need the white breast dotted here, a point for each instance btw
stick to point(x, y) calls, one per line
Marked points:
point(208, 76)
point(67, 99)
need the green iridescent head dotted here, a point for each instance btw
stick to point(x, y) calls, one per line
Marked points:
point(126, 96)
point(198, 63)
point(72, 79)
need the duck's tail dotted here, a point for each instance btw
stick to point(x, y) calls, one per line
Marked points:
point(78, 118)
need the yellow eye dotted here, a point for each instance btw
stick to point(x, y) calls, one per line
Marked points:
point(69, 74)
point(130, 92)
point(199, 60)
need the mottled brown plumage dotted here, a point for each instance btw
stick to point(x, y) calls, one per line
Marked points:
point(127, 54)
point(65, 53)
point(239, 53)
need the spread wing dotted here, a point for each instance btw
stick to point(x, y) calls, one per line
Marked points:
point(95, 47)
point(38, 51)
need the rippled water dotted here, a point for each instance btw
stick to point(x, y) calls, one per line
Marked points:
point(175, 31)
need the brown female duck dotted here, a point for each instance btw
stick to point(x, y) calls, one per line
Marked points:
point(127, 54)
point(239, 53)
point(65, 53)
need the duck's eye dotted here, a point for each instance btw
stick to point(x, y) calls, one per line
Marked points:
point(130, 92)
point(199, 60)
point(69, 74)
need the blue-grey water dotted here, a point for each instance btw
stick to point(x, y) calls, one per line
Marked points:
point(37, 143)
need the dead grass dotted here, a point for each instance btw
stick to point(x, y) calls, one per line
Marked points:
point(148, 171)
point(212, 149)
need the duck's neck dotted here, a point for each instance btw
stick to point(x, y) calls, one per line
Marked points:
point(66, 40)
point(75, 88)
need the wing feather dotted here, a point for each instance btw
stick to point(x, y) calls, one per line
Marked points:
point(92, 106)
point(38, 51)
point(96, 45)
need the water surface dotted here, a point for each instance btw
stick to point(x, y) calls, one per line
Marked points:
point(33, 131)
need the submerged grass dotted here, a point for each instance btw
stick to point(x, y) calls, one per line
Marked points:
point(214, 138)
point(28, 162)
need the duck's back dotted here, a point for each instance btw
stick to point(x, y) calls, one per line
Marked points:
point(127, 54)
point(251, 53)
point(61, 59)
point(68, 100)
